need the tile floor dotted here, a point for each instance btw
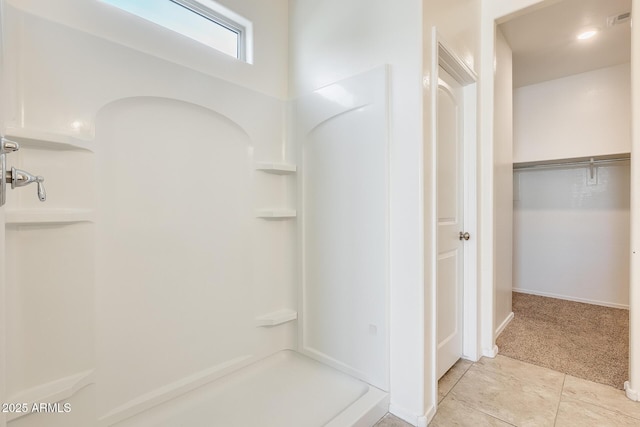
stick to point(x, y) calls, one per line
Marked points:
point(506, 392)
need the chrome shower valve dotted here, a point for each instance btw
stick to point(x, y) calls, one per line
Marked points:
point(20, 178)
point(17, 177)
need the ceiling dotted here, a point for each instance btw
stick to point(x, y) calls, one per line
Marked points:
point(545, 46)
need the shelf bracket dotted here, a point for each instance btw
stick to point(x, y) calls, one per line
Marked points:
point(592, 179)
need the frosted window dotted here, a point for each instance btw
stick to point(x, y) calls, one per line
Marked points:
point(202, 20)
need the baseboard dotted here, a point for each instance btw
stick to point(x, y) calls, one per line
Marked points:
point(504, 324)
point(405, 415)
point(428, 417)
point(51, 392)
point(571, 298)
point(491, 353)
point(631, 394)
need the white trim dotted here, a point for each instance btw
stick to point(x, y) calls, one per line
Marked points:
point(226, 18)
point(634, 283)
point(490, 352)
point(631, 394)
point(428, 416)
point(470, 342)
point(405, 414)
point(571, 298)
point(54, 391)
point(504, 324)
point(173, 390)
point(486, 181)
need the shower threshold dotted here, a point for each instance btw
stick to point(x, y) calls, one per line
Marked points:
point(282, 390)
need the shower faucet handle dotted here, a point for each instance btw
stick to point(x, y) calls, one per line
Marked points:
point(20, 178)
point(8, 146)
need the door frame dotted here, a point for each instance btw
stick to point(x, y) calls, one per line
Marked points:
point(444, 56)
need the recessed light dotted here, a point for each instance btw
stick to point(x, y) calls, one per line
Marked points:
point(587, 34)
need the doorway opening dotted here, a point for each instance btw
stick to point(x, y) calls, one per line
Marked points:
point(567, 135)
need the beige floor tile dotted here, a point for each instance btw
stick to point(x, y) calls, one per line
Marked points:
point(452, 413)
point(600, 395)
point(513, 391)
point(452, 376)
point(392, 421)
point(574, 413)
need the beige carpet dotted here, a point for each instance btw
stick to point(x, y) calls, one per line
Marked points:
point(583, 340)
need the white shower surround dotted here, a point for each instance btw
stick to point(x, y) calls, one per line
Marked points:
point(164, 299)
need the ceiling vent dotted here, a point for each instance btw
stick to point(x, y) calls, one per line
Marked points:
point(620, 18)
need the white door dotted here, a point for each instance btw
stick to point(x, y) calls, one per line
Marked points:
point(450, 221)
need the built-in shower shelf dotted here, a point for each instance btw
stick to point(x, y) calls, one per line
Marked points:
point(277, 317)
point(277, 168)
point(276, 213)
point(48, 216)
point(47, 140)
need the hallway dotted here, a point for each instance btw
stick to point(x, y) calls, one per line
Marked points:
point(504, 392)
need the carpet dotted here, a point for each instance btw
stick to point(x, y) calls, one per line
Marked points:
point(584, 340)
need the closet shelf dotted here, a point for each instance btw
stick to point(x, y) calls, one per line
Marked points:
point(48, 216)
point(276, 213)
point(573, 162)
point(277, 317)
point(47, 140)
point(277, 168)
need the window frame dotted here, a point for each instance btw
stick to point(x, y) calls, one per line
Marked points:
point(225, 18)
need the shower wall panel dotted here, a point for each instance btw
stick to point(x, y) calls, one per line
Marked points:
point(342, 129)
point(143, 274)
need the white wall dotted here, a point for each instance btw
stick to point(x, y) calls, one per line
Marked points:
point(571, 238)
point(577, 116)
point(503, 210)
point(582, 115)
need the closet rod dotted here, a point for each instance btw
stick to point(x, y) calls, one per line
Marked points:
point(590, 162)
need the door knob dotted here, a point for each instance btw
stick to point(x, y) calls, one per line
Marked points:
point(465, 235)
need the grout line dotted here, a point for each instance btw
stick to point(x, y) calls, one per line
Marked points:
point(456, 383)
point(479, 410)
point(555, 419)
point(485, 413)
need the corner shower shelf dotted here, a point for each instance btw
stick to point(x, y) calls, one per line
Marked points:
point(52, 141)
point(277, 168)
point(277, 317)
point(276, 213)
point(48, 216)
